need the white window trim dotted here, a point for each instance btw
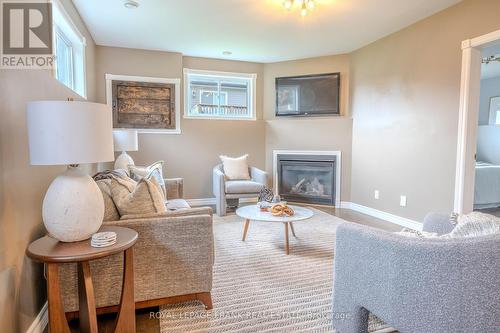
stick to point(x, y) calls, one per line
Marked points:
point(252, 91)
point(60, 8)
point(176, 82)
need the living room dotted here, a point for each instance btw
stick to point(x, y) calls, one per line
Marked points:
point(397, 135)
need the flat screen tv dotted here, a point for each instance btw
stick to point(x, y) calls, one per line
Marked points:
point(308, 95)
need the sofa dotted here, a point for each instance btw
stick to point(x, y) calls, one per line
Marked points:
point(225, 190)
point(173, 258)
point(416, 284)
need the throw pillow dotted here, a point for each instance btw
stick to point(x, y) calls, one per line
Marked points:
point(144, 198)
point(110, 211)
point(266, 194)
point(154, 170)
point(454, 218)
point(469, 225)
point(108, 174)
point(475, 224)
point(235, 168)
point(417, 234)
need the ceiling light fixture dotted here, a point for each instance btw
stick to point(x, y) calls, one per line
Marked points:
point(489, 59)
point(130, 4)
point(305, 5)
point(303, 11)
point(227, 53)
point(288, 4)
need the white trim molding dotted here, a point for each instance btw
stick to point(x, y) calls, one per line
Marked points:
point(402, 221)
point(338, 170)
point(468, 119)
point(252, 92)
point(176, 82)
point(41, 321)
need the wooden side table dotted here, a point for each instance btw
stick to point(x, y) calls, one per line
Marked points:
point(53, 252)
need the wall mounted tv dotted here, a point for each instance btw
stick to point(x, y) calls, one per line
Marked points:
point(308, 95)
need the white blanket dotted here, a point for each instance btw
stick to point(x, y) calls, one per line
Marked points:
point(487, 187)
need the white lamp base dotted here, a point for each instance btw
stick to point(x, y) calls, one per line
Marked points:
point(123, 161)
point(73, 207)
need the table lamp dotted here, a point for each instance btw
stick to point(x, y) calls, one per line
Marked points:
point(71, 133)
point(125, 140)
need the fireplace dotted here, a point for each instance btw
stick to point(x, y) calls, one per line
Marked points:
point(306, 178)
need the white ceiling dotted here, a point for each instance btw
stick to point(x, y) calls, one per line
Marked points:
point(253, 30)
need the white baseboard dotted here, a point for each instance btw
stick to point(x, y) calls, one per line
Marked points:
point(201, 202)
point(211, 201)
point(402, 221)
point(345, 204)
point(41, 321)
point(385, 330)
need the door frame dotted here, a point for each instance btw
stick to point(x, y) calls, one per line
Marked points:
point(468, 119)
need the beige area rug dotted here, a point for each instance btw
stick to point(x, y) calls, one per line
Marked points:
point(258, 288)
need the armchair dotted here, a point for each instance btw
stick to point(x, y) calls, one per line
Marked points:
point(235, 189)
point(416, 285)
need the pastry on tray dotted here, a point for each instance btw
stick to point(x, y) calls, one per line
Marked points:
point(282, 209)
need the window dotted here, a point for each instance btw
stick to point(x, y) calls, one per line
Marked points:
point(219, 95)
point(69, 51)
point(494, 118)
point(212, 97)
point(64, 53)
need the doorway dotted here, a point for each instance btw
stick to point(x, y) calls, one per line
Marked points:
point(475, 52)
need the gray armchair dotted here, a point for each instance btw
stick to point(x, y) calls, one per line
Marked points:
point(413, 284)
point(235, 189)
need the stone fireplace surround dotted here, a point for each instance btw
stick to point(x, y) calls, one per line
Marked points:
point(338, 166)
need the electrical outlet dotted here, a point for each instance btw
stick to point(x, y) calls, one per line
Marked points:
point(402, 201)
point(376, 194)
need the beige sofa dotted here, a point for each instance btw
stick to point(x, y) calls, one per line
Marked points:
point(173, 260)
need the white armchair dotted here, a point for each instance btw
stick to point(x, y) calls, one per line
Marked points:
point(236, 189)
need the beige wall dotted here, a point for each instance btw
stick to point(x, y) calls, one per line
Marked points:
point(404, 92)
point(22, 187)
point(320, 133)
point(405, 98)
point(194, 153)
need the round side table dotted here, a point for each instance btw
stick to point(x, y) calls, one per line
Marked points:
point(53, 252)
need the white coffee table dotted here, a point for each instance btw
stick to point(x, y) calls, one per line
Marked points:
point(254, 213)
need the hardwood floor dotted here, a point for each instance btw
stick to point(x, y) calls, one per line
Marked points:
point(145, 324)
point(356, 217)
point(492, 211)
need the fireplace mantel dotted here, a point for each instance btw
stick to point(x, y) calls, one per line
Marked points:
point(338, 172)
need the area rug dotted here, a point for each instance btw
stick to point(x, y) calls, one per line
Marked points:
point(258, 288)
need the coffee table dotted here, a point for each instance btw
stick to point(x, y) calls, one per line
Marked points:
point(253, 213)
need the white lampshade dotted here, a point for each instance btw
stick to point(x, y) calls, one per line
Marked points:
point(67, 132)
point(125, 140)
